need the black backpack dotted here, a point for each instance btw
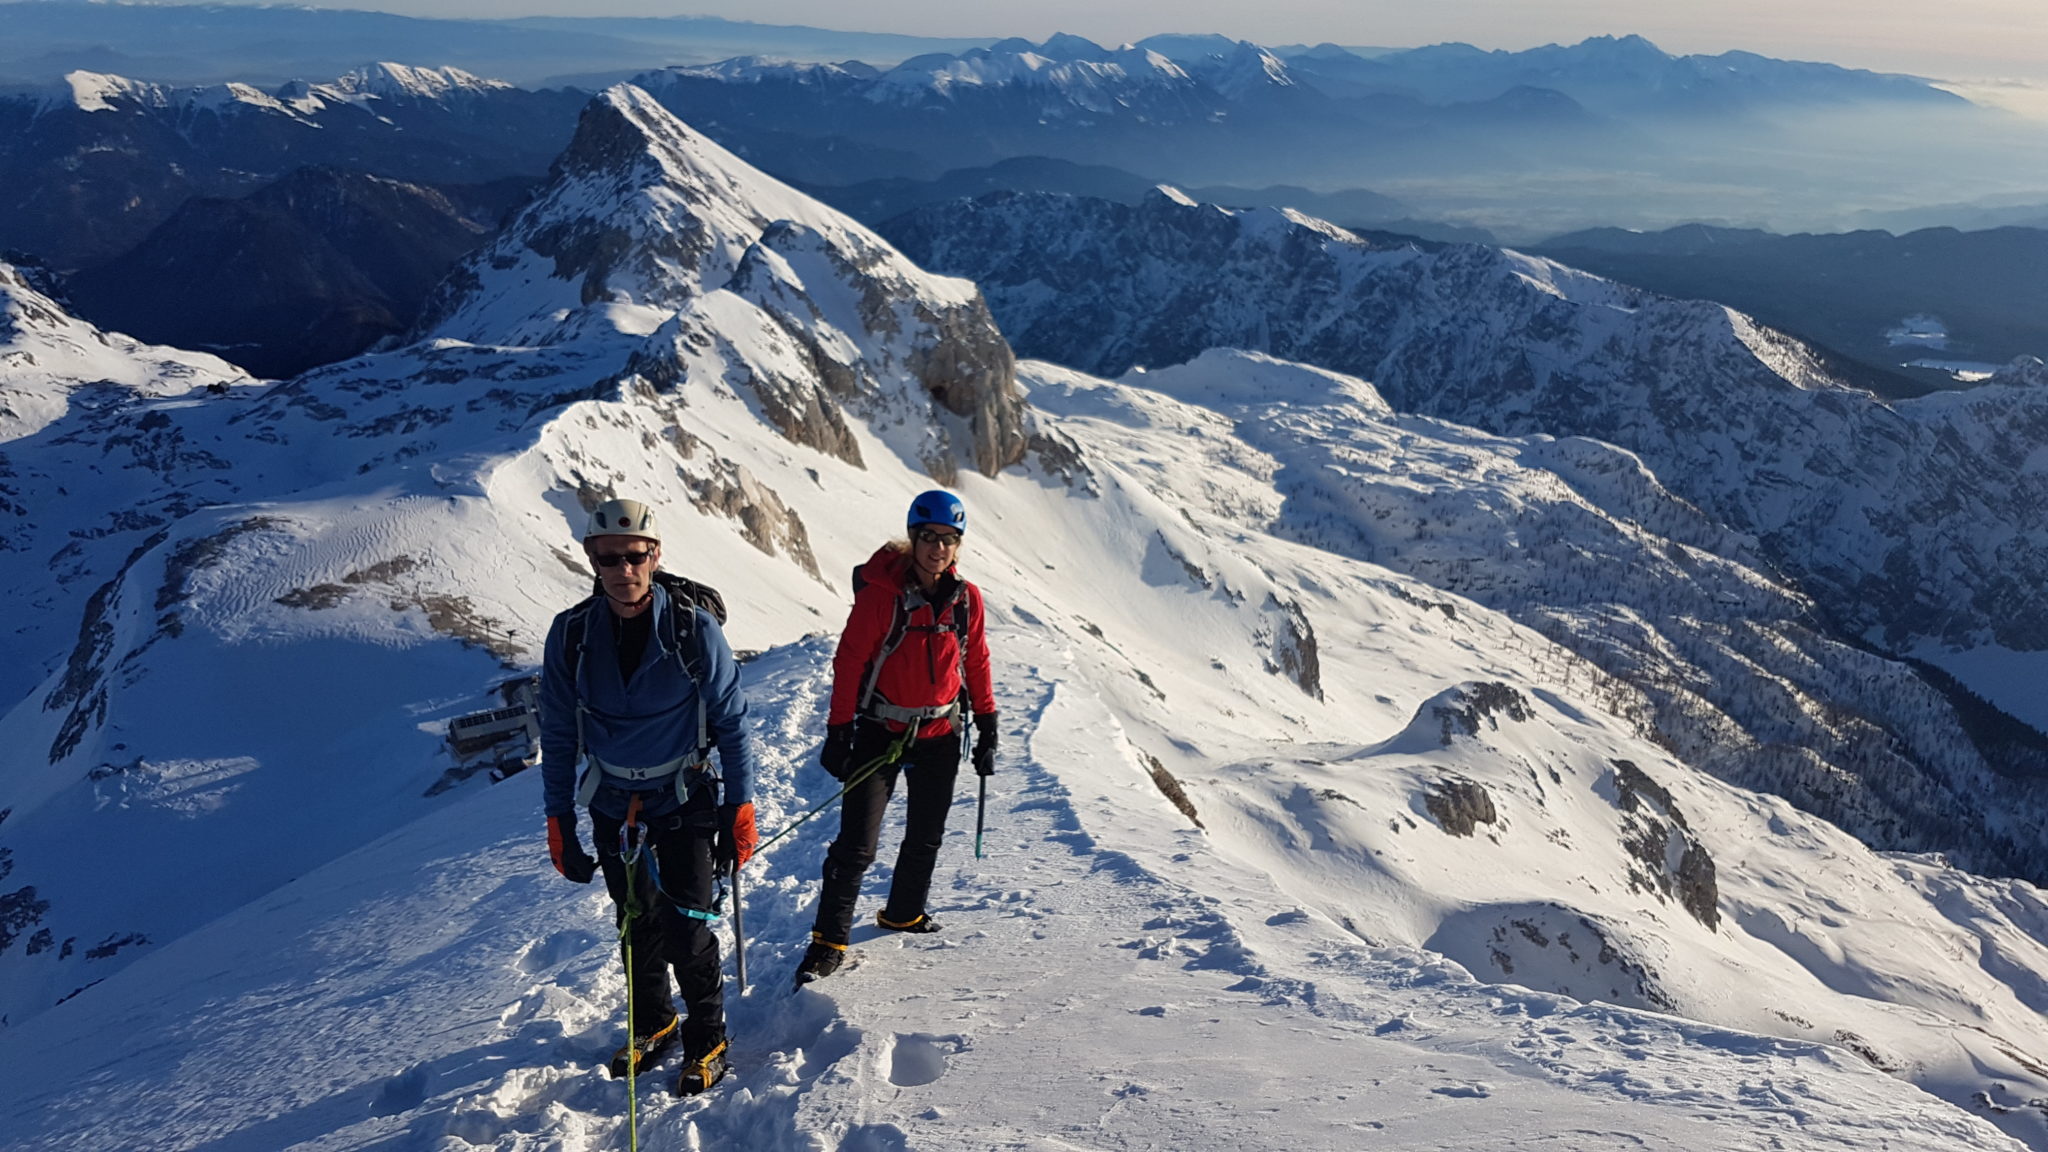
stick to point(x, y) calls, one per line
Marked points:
point(683, 594)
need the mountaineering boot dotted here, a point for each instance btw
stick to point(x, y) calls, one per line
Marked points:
point(644, 1050)
point(922, 922)
point(820, 960)
point(704, 1064)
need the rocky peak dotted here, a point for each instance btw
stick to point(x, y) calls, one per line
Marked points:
point(645, 219)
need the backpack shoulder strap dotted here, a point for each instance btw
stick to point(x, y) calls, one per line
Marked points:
point(687, 641)
point(899, 623)
point(961, 617)
point(575, 630)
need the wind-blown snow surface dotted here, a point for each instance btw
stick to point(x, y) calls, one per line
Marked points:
point(1443, 894)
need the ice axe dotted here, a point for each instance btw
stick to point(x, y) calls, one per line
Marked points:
point(980, 811)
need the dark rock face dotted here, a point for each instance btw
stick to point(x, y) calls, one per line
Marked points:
point(1654, 844)
point(1294, 646)
point(1558, 949)
point(309, 270)
point(1460, 806)
point(1473, 709)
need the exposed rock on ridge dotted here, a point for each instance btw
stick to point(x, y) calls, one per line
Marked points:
point(644, 213)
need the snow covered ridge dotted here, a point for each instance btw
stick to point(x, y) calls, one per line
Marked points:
point(240, 619)
point(1854, 497)
point(1063, 77)
point(1627, 76)
point(156, 546)
point(101, 92)
point(51, 361)
point(1581, 542)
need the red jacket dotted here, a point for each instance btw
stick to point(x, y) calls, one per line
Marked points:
point(924, 668)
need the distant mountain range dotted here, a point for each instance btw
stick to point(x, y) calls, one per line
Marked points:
point(1625, 76)
point(1228, 110)
point(88, 167)
point(1974, 296)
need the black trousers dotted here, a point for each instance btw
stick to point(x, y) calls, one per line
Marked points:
point(928, 768)
point(675, 871)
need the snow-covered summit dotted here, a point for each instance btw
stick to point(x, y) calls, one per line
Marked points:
point(390, 81)
point(1076, 70)
point(381, 82)
point(100, 91)
point(645, 218)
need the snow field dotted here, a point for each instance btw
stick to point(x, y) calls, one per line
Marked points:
point(1107, 980)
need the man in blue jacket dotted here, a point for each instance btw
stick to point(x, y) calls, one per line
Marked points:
point(641, 685)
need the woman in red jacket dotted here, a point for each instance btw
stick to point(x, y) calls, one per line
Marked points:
point(913, 652)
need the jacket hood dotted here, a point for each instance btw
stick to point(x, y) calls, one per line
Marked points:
point(890, 565)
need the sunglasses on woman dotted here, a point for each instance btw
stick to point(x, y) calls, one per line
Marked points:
point(927, 536)
point(614, 559)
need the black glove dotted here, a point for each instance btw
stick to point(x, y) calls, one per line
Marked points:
point(837, 755)
point(984, 743)
point(567, 851)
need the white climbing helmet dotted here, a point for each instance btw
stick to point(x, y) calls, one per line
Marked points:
point(622, 518)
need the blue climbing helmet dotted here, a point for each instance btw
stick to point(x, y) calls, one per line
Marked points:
point(938, 506)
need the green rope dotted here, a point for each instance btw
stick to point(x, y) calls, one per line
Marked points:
point(632, 865)
point(893, 753)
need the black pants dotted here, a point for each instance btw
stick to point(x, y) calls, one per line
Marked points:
point(674, 871)
point(928, 768)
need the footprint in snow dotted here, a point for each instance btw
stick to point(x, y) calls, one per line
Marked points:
point(1475, 1090)
point(555, 949)
point(401, 1093)
point(917, 1058)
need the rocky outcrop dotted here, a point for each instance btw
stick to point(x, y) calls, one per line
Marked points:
point(1460, 805)
point(642, 212)
point(1667, 858)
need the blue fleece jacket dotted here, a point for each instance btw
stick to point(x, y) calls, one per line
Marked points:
point(648, 721)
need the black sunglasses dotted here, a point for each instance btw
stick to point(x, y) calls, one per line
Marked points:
point(927, 536)
point(614, 559)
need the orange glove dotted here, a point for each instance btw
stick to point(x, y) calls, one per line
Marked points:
point(738, 838)
point(567, 851)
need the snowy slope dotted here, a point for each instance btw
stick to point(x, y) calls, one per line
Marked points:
point(1914, 527)
point(1112, 979)
point(245, 858)
point(50, 361)
point(239, 545)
